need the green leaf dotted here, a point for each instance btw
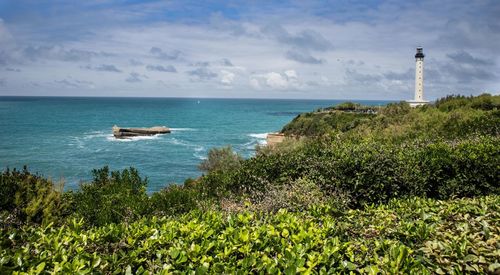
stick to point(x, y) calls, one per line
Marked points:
point(494, 267)
point(285, 233)
point(349, 265)
point(40, 268)
point(471, 258)
point(128, 271)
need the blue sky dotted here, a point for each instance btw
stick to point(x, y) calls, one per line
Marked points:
point(263, 49)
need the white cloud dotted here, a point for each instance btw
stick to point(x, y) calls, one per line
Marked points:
point(254, 83)
point(291, 74)
point(276, 81)
point(227, 77)
point(287, 80)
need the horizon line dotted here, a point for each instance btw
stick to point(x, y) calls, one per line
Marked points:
point(188, 97)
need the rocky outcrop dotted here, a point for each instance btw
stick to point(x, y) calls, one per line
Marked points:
point(274, 138)
point(119, 132)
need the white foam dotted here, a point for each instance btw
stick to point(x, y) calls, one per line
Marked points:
point(259, 136)
point(182, 129)
point(262, 142)
point(110, 137)
point(178, 142)
point(261, 139)
point(200, 156)
point(95, 134)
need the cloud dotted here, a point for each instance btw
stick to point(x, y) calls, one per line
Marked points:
point(404, 76)
point(306, 39)
point(227, 78)
point(12, 70)
point(466, 74)
point(74, 83)
point(303, 57)
point(201, 64)
point(464, 57)
point(254, 83)
point(276, 80)
point(226, 62)
point(3, 58)
point(353, 76)
point(135, 62)
point(34, 53)
point(160, 68)
point(5, 35)
point(103, 68)
point(135, 77)
point(202, 74)
point(160, 54)
point(2, 82)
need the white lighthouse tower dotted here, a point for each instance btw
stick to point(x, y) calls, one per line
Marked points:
point(419, 80)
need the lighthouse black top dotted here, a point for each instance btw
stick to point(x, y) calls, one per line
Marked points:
point(420, 53)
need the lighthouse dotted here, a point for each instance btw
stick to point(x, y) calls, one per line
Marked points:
point(419, 79)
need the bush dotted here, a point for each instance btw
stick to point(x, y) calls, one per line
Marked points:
point(450, 118)
point(370, 171)
point(173, 200)
point(221, 159)
point(413, 236)
point(29, 198)
point(111, 197)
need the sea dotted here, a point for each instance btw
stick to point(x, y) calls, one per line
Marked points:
point(64, 138)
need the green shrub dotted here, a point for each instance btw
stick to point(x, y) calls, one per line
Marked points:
point(28, 198)
point(411, 236)
point(111, 197)
point(318, 124)
point(174, 200)
point(484, 102)
point(370, 171)
point(220, 159)
point(450, 118)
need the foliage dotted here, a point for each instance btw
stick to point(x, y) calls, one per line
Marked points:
point(28, 198)
point(320, 123)
point(369, 171)
point(111, 197)
point(412, 236)
point(220, 159)
point(484, 102)
point(299, 195)
point(174, 199)
point(450, 118)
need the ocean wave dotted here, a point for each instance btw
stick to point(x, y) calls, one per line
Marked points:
point(200, 156)
point(182, 129)
point(260, 139)
point(110, 137)
point(259, 136)
point(176, 141)
point(199, 153)
point(95, 134)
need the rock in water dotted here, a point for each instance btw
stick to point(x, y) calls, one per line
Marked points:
point(119, 132)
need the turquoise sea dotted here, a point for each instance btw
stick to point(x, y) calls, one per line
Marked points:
point(65, 138)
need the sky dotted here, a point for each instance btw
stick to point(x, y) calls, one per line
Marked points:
point(340, 49)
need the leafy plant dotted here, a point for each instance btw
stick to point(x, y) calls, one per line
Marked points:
point(111, 197)
point(220, 159)
point(28, 198)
